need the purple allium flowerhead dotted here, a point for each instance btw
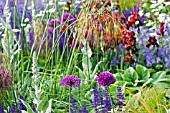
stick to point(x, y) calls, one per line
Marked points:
point(71, 81)
point(105, 79)
point(65, 20)
point(52, 23)
point(67, 17)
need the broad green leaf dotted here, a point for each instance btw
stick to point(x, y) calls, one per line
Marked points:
point(118, 76)
point(43, 104)
point(132, 89)
point(112, 89)
point(130, 75)
point(120, 83)
point(159, 75)
point(143, 73)
point(147, 82)
point(163, 84)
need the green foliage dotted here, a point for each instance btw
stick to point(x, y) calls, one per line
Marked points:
point(148, 100)
point(141, 77)
point(127, 4)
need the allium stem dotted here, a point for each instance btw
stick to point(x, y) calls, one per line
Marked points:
point(69, 99)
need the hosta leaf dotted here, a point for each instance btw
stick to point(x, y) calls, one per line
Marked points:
point(143, 73)
point(163, 84)
point(159, 75)
point(118, 76)
point(130, 75)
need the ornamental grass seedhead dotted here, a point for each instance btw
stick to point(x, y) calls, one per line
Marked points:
point(105, 79)
point(98, 26)
point(71, 81)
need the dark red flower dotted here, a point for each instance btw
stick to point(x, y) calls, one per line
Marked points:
point(152, 41)
point(161, 29)
point(128, 59)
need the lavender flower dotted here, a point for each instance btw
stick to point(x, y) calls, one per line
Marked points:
point(2, 5)
point(105, 79)
point(71, 81)
point(2, 110)
point(120, 98)
point(108, 105)
point(84, 110)
point(116, 59)
point(74, 106)
point(101, 103)
point(95, 102)
point(13, 109)
point(167, 62)
point(100, 97)
point(21, 105)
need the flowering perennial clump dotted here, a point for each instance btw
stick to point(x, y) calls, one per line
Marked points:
point(105, 79)
point(71, 81)
point(5, 80)
point(75, 108)
point(103, 102)
point(120, 97)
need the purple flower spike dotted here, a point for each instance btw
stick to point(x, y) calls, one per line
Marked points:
point(105, 79)
point(120, 97)
point(71, 81)
point(13, 109)
point(84, 109)
point(2, 110)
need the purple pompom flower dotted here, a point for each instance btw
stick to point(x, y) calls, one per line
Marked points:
point(67, 17)
point(71, 81)
point(105, 79)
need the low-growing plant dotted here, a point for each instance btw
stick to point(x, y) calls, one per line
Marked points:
point(147, 100)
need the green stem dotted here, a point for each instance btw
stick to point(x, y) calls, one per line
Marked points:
point(69, 99)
